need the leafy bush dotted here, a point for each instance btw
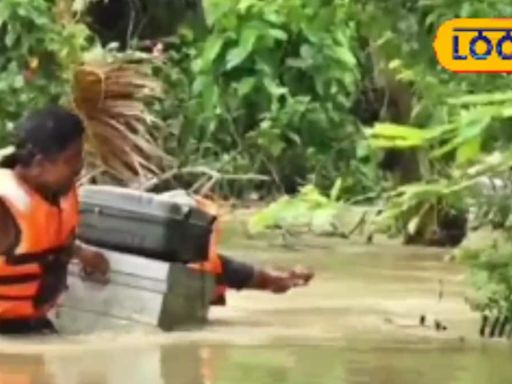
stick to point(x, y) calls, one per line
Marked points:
point(308, 210)
point(269, 90)
point(456, 122)
point(38, 48)
point(491, 277)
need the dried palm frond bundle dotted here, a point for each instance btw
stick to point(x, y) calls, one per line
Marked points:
point(109, 97)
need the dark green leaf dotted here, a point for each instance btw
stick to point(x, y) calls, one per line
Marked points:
point(246, 43)
point(278, 34)
point(246, 85)
point(212, 48)
point(10, 37)
point(18, 82)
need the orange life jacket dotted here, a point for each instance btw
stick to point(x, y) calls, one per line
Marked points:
point(16, 378)
point(213, 265)
point(33, 275)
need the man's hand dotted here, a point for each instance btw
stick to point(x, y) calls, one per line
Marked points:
point(277, 281)
point(95, 266)
point(301, 275)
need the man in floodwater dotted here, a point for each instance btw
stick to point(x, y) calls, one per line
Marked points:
point(38, 218)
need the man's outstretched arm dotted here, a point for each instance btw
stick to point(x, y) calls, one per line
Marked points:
point(239, 275)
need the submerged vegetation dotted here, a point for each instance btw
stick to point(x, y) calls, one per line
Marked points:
point(332, 104)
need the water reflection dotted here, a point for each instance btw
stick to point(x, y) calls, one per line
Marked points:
point(188, 364)
point(347, 306)
point(111, 366)
point(359, 362)
point(329, 365)
point(26, 369)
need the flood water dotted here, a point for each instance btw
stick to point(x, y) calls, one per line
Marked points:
point(358, 322)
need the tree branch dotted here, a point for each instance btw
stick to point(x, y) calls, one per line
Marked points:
point(209, 174)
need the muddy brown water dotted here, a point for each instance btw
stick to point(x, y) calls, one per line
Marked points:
point(356, 323)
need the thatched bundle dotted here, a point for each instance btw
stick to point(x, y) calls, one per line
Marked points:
point(110, 97)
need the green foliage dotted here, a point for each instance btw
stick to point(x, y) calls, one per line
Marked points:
point(491, 276)
point(308, 210)
point(458, 131)
point(401, 44)
point(269, 91)
point(494, 207)
point(459, 122)
point(37, 52)
point(465, 136)
point(415, 205)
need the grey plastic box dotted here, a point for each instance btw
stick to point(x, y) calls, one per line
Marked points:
point(156, 226)
point(141, 292)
